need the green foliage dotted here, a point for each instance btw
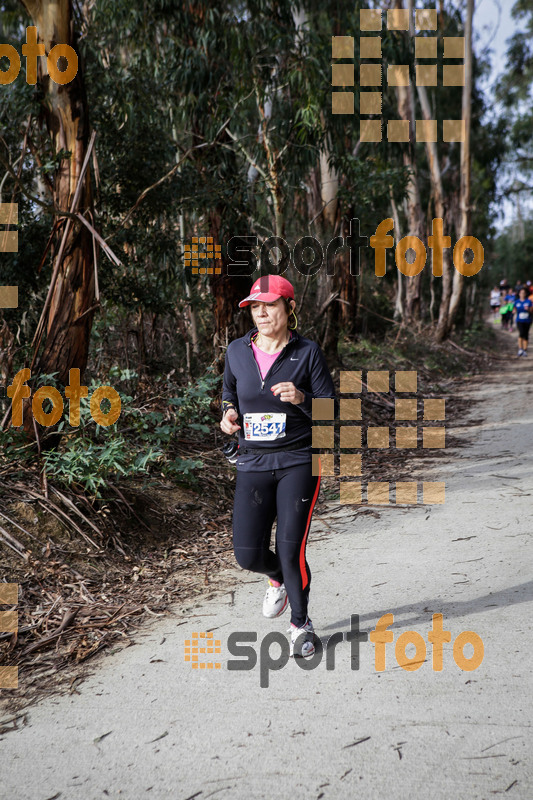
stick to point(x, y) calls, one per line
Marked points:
point(16, 454)
point(225, 88)
point(512, 253)
point(184, 470)
point(93, 456)
point(479, 335)
point(513, 91)
point(242, 98)
point(92, 465)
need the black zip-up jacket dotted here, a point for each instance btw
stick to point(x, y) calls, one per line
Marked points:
point(302, 362)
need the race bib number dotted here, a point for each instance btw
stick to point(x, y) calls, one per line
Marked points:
point(523, 315)
point(264, 427)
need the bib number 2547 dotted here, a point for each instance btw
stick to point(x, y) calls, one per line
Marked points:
point(264, 427)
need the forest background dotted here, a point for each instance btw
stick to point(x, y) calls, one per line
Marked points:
point(192, 119)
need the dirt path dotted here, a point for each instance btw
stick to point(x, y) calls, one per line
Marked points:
point(147, 724)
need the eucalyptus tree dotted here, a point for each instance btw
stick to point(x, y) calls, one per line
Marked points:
point(54, 144)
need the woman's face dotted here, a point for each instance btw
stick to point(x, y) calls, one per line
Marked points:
point(523, 294)
point(270, 318)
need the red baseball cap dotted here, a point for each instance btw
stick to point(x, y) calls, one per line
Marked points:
point(267, 289)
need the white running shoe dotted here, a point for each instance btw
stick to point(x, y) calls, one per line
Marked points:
point(275, 601)
point(302, 640)
point(520, 351)
point(524, 352)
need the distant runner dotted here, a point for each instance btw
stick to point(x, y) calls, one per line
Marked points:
point(495, 302)
point(523, 307)
point(507, 310)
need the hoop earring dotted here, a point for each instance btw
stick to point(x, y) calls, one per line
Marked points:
point(293, 327)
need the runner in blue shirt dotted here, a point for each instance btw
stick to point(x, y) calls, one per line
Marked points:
point(523, 307)
point(271, 376)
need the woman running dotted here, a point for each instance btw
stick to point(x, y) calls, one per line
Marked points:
point(523, 307)
point(495, 302)
point(271, 376)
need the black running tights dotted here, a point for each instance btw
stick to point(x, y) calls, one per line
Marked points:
point(290, 495)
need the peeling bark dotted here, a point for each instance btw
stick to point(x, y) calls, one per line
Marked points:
point(466, 211)
point(65, 114)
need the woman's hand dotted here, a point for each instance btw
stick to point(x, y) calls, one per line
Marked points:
point(227, 423)
point(288, 393)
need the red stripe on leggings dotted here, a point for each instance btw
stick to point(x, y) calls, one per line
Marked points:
point(303, 570)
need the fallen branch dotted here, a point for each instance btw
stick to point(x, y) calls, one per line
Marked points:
point(105, 247)
point(76, 510)
point(67, 620)
point(13, 543)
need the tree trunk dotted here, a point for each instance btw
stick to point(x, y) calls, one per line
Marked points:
point(348, 296)
point(64, 108)
point(274, 170)
point(438, 198)
point(466, 211)
point(471, 304)
point(227, 291)
point(329, 188)
point(399, 311)
point(191, 311)
point(339, 283)
point(406, 111)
